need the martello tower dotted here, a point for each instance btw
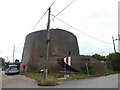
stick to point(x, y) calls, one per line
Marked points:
point(61, 43)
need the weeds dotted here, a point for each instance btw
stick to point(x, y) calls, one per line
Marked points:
point(54, 78)
point(51, 81)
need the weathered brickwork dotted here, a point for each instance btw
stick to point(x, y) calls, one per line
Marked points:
point(61, 43)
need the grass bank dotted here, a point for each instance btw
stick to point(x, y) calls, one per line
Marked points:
point(84, 76)
point(54, 79)
point(51, 81)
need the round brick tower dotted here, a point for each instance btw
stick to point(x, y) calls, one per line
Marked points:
point(61, 43)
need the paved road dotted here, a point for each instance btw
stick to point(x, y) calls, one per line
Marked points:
point(110, 81)
point(0, 78)
point(19, 81)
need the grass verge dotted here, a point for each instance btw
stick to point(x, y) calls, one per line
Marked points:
point(54, 79)
point(51, 81)
point(84, 76)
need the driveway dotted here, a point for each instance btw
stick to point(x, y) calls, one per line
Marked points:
point(17, 81)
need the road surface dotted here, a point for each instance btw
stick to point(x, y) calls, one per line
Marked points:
point(19, 81)
point(0, 78)
point(110, 81)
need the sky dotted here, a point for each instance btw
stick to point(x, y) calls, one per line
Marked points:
point(94, 22)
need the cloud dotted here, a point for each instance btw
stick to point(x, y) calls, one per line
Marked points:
point(97, 18)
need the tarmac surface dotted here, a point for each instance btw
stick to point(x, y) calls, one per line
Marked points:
point(17, 81)
point(0, 78)
point(20, 81)
point(110, 81)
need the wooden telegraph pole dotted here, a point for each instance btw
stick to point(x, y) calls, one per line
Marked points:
point(13, 53)
point(118, 42)
point(48, 45)
point(114, 44)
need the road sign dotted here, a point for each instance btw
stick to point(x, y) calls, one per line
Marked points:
point(67, 60)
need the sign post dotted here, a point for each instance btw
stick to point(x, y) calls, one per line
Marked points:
point(67, 61)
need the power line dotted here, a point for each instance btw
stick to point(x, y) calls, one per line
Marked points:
point(61, 11)
point(39, 20)
point(64, 9)
point(34, 26)
point(92, 48)
point(37, 23)
point(80, 31)
point(20, 44)
point(45, 14)
point(42, 16)
point(99, 51)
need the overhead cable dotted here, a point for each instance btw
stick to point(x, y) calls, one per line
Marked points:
point(63, 9)
point(81, 31)
point(42, 16)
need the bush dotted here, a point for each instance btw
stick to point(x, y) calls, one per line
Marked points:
point(51, 81)
point(115, 59)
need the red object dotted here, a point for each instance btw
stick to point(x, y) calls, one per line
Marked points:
point(24, 66)
point(66, 59)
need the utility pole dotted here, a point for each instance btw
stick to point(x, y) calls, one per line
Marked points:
point(7, 59)
point(48, 45)
point(118, 42)
point(119, 37)
point(13, 52)
point(114, 44)
point(87, 68)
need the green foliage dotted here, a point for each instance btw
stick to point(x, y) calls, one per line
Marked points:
point(56, 75)
point(115, 59)
point(2, 60)
point(99, 57)
point(84, 76)
point(51, 81)
point(77, 76)
point(53, 78)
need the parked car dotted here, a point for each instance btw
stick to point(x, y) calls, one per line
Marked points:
point(12, 69)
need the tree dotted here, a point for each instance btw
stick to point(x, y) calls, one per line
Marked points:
point(115, 59)
point(17, 63)
point(99, 57)
point(2, 61)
